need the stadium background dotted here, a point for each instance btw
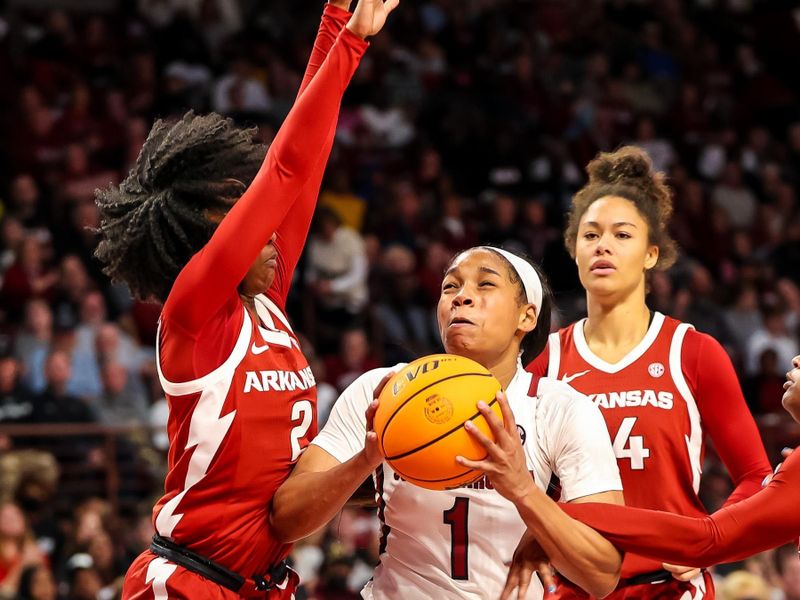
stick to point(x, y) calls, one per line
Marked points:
point(468, 122)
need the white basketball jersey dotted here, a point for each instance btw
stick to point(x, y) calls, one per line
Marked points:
point(459, 543)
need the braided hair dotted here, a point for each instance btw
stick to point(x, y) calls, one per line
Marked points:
point(158, 218)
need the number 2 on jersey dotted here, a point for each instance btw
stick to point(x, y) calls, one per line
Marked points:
point(457, 517)
point(630, 446)
point(300, 410)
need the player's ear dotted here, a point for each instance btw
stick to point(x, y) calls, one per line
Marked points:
point(528, 319)
point(651, 258)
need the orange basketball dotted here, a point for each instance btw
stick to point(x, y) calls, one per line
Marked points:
point(421, 416)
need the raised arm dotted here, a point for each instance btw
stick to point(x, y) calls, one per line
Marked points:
point(212, 276)
point(765, 520)
point(293, 231)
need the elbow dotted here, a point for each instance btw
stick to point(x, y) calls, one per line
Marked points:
point(284, 527)
point(606, 583)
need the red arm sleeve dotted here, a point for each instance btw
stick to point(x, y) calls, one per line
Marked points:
point(724, 413)
point(765, 520)
point(293, 232)
point(210, 279)
point(538, 366)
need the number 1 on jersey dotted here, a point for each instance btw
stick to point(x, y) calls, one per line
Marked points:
point(630, 446)
point(457, 517)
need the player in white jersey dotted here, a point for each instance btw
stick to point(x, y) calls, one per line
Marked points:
point(459, 543)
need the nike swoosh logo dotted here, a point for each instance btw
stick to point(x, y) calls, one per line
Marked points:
point(567, 378)
point(256, 349)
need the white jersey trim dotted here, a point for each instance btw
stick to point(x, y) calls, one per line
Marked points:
point(194, 386)
point(554, 347)
point(273, 308)
point(694, 441)
point(598, 363)
point(158, 571)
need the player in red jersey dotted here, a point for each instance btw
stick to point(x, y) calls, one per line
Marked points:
point(767, 519)
point(210, 227)
point(662, 387)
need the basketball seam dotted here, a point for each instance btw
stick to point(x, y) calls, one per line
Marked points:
point(419, 391)
point(433, 441)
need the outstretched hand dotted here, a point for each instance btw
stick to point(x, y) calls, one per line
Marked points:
point(370, 16)
point(505, 463)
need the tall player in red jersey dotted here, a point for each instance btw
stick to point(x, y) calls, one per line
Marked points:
point(662, 387)
point(213, 229)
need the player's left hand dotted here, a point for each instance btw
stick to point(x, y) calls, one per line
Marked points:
point(682, 573)
point(370, 16)
point(528, 559)
point(505, 463)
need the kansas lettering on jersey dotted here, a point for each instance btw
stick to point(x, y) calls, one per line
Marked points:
point(647, 405)
point(457, 544)
point(220, 427)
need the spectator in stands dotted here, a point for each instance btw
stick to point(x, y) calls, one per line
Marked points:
point(54, 405)
point(788, 569)
point(28, 278)
point(33, 344)
point(741, 585)
point(18, 549)
point(336, 272)
point(773, 335)
point(122, 402)
point(37, 583)
point(16, 404)
point(353, 360)
point(731, 195)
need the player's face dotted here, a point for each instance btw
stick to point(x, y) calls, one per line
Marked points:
point(612, 250)
point(262, 272)
point(479, 312)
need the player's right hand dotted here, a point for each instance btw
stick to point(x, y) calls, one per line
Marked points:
point(370, 16)
point(372, 452)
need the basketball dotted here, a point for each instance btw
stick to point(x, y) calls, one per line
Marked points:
point(421, 415)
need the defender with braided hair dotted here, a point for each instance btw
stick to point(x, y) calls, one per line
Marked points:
point(661, 386)
point(213, 228)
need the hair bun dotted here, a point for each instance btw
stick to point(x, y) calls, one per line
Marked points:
point(629, 162)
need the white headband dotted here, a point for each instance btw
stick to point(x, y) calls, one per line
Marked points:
point(526, 272)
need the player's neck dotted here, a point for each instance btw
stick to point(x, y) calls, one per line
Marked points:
point(613, 330)
point(503, 367)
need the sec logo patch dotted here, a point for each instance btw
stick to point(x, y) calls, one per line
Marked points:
point(656, 369)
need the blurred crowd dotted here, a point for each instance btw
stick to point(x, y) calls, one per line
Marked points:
point(469, 122)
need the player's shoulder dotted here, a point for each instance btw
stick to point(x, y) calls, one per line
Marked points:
point(560, 396)
point(369, 380)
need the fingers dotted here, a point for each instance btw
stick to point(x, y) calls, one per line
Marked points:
point(370, 414)
point(512, 580)
point(508, 415)
point(682, 573)
point(382, 384)
point(495, 424)
point(390, 5)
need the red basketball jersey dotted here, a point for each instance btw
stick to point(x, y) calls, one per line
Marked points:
point(649, 409)
point(234, 435)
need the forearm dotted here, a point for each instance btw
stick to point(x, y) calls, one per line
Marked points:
point(308, 501)
point(334, 18)
point(765, 520)
point(581, 554)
